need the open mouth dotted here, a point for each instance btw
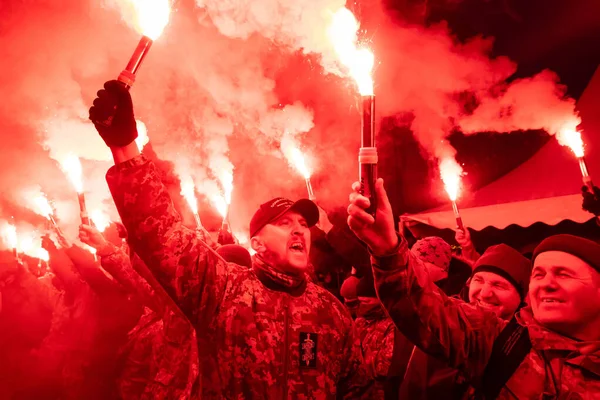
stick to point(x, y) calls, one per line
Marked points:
point(297, 247)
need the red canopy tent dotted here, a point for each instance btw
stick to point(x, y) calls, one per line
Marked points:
point(546, 188)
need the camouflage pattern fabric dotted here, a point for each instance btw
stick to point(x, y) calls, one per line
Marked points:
point(254, 342)
point(375, 331)
point(463, 335)
point(160, 360)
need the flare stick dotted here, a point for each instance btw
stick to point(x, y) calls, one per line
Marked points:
point(367, 156)
point(587, 180)
point(127, 76)
point(459, 221)
point(198, 222)
point(85, 219)
point(311, 194)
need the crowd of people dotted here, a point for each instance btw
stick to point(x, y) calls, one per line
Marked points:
point(166, 312)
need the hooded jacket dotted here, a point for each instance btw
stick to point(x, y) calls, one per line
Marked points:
point(257, 339)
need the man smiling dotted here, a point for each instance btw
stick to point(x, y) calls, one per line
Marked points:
point(499, 281)
point(550, 350)
point(565, 286)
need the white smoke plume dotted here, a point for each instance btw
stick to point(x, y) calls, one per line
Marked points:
point(220, 88)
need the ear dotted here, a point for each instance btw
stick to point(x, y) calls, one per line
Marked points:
point(257, 244)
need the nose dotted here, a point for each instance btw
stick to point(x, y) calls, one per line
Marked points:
point(299, 229)
point(548, 282)
point(486, 291)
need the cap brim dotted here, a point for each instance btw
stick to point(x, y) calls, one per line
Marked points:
point(308, 209)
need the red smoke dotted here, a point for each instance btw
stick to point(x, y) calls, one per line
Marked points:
point(223, 96)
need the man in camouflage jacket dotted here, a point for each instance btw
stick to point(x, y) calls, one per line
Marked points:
point(263, 333)
point(563, 320)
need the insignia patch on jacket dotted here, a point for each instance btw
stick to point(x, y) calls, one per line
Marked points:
point(308, 350)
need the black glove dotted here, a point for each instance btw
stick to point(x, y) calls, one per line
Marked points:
point(112, 115)
point(591, 201)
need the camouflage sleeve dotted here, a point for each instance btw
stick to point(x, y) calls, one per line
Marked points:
point(117, 263)
point(446, 328)
point(354, 374)
point(62, 266)
point(90, 271)
point(191, 273)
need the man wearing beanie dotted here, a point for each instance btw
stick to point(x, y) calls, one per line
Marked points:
point(500, 280)
point(550, 350)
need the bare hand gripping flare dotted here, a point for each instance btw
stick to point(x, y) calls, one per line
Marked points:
point(151, 18)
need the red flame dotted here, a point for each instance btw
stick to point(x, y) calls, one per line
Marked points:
point(450, 172)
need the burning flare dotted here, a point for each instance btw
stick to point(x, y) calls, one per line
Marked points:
point(450, 172)
point(188, 191)
point(294, 156)
point(151, 16)
point(226, 179)
point(220, 203)
point(100, 220)
point(71, 166)
point(359, 60)
point(42, 206)
point(142, 138)
point(9, 235)
point(572, 139)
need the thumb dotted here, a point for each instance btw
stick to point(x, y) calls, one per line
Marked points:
point(382, 198)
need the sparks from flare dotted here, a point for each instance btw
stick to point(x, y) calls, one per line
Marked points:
point(450, 173)
point(9, 237)
point(297, 160)
point(358, 60)
point(71, 166)
point(188, 191)
point(142, 139)
point(572, 139)
point(220, 203)
point(151, 16)
point(100, 220)
point(43, 206)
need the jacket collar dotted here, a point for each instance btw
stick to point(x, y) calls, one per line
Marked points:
point(582, 354)
point(278, 280)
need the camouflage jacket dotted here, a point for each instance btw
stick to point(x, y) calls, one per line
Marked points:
point(255, 340)
point(375, 331)
point(160, 359)
point(463, 335)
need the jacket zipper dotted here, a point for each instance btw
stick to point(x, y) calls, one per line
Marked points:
point(286, 345)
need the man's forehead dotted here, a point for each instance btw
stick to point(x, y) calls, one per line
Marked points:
point(290, 214)
point(559, 259)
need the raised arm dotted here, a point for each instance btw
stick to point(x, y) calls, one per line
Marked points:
point(192, 274)
point(448, 329)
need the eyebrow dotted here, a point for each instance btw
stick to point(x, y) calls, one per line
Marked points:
point(553, 268)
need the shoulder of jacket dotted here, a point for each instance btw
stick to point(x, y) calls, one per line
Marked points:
point(337, 308)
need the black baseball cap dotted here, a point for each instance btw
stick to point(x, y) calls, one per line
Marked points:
point(275, 208)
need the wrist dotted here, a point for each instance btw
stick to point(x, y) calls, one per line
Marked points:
point(388, 249)
point(106, 249)
point(125, 153)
